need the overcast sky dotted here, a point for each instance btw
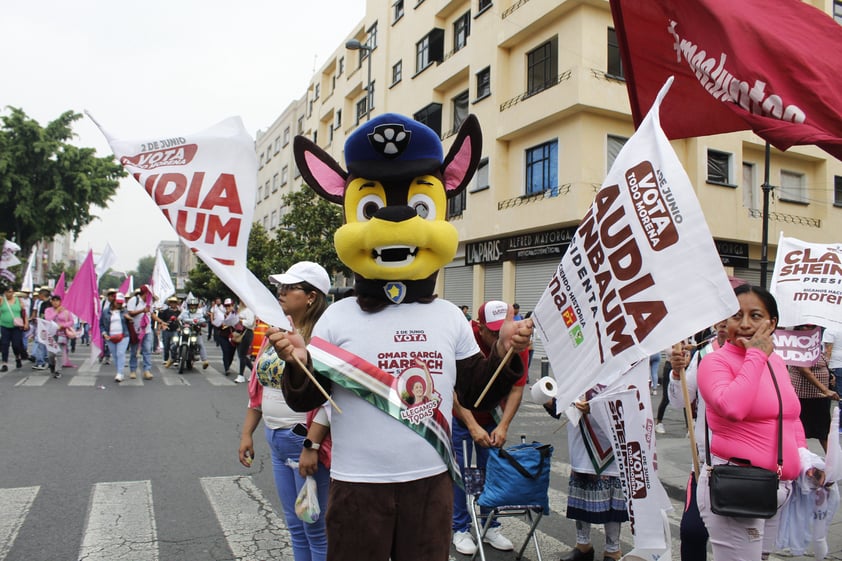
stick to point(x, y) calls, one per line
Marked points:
point(161, 68)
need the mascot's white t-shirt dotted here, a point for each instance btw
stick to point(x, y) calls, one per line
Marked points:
point(368, 445)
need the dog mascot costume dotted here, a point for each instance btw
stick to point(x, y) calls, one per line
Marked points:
point(393, 356)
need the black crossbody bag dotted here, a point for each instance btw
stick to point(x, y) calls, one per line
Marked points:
point(746, 491)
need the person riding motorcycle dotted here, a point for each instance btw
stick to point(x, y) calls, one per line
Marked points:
point(193, 316)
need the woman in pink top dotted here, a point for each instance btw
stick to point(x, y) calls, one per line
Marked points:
point(64, 319)
point(742, 413)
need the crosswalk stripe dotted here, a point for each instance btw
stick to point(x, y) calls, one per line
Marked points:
point(33, 380)
point(14, 505)
point(80, 380)
point(253, 530)
point(174, 380)
point(217, 378)
point(121, 523)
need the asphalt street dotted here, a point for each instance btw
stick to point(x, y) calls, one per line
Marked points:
point(148, 470)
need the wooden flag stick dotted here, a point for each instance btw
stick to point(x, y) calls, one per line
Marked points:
point(503, 363)
point(316, 382)
point(688, 411)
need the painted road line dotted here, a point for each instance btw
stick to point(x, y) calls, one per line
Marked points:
point(33, 380)
point(14, 506)
point(254, 532)
point(217, 378)
point(174, 380)
point(121, 523)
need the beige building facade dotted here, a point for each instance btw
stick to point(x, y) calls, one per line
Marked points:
point(545, 80)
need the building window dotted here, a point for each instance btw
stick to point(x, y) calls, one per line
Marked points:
point(751, 190)
point(274, 221)
point(362, 109)
point(542, 67)
point(397, 72)
point(277, 144)
point(259, 193)
point(397, 10)
point(316, 90)
point(296, 171)
point(286, 135)
point(792, 187)
point(262, 157)
point(483, 5)
point(837, 11)
point(484, 83)
point(461, 30)
point(300, 126)
point(542, 169)
point(265, 222)
point(266, 190)
point(719, 168)
point(330, 133)
point(481, 176)
point(429, 49)
point(456, 205)
point(460, 110)
point(612, 148)
point(430, 116)
point(275, 182)
point(371, 38)
point(341, 66)
point(615, 63)
point(338, 118)
point(284, 175)
point(837, 190)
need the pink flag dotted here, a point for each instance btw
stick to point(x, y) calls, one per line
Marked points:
point(126, 287)
point(83, 298)
point(59, 289)
point(752, 64)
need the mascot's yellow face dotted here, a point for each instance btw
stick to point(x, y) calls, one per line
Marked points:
point(394, 194)
point(409, 249)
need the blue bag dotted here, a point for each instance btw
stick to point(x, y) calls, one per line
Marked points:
point(519, 475)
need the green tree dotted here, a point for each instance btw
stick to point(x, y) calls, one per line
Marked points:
point(262, 255)
point(56, 269)
point(307, 232)
point(47, 185)
point(145, 266)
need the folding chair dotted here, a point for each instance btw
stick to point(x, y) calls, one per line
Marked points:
point(474, 480)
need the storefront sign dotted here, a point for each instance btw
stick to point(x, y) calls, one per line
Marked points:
point(534, 245)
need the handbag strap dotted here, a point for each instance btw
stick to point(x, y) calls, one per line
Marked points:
point(780, 426)
point(544, 451)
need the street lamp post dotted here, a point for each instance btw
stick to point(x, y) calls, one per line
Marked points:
point(355, 45)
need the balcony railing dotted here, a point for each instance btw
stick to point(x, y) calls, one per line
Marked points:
point(526, 95)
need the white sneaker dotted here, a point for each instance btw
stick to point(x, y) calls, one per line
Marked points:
point(659, 428)
point(464, 543)
point(239, 380)
point(118, 378)
point(495, 539)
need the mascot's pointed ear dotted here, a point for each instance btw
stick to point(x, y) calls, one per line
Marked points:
point(463, 158)
point(319, 170)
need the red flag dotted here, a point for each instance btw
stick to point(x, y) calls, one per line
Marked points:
point(766, 66)
point(82, 298)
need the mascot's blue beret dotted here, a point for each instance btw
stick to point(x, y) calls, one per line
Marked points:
point(392, 146)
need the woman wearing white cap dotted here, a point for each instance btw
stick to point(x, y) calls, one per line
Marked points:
point(302, 291)
point(115, 332)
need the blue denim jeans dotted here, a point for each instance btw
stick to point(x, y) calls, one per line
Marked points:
point(118, 351)
point(145, 353)
point(39, 353)
point(461, 516)
point(309, 541)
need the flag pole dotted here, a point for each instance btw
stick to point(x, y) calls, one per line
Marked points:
point(764, 244)
point(688, 412)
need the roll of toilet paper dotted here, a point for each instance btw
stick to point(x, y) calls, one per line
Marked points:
point(544, 390)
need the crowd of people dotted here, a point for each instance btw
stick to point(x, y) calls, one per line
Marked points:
point(728, 371)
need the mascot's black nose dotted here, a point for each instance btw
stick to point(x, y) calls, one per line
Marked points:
point(397, 213)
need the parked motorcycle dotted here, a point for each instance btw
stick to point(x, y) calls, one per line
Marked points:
point(186, 345)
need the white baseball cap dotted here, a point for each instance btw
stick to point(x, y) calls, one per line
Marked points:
point(305, 271)
point(227, 302)
point(120, 297)
point(492, 314)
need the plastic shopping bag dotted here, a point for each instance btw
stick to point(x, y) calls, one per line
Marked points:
point(307, 503)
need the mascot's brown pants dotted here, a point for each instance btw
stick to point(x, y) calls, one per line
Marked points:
point(403, 521)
